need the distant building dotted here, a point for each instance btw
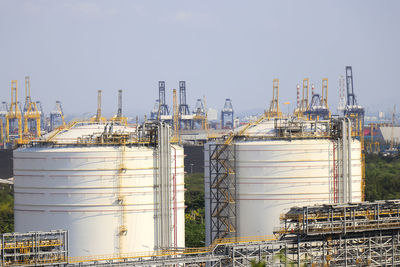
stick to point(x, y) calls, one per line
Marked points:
point(385, 134)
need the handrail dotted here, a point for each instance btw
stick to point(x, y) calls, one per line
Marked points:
point(172, 252)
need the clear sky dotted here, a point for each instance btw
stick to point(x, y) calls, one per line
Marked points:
point(222, 49)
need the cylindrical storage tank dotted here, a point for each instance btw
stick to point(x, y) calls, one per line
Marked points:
point(274, 174)
point(103, 195)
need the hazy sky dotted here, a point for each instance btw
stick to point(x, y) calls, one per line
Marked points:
point(222, 49)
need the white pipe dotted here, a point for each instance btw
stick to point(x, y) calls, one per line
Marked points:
point(349, 176)
point(344, 160)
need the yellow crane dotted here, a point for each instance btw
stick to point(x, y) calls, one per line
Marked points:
point(304, 103)
point(14, 113)
point(31, 111)
point(205, 125)
point(324, 96)
point(1, 132)
point(274, 109)
point(176, 136)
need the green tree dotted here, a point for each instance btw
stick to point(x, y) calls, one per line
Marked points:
point(6, 210)
point(194, 212)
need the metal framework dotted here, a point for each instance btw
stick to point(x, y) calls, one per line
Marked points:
point(223, 208)
point(185, 118)
point(34, 248)
point(274, 110)
point(3, 113)
point(360, 234)
point(318, 108)
point(14, 114)
point(200, 115)
point(154, 111)
point(43, 123)
point(98, 117)
point(345, 234)
point(342, 95)
point(183, 107)
point(352, 109)
point(163, 107)
point(31, 113)
point(118, 117)
point(304, 104)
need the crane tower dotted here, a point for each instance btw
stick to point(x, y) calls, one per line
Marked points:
point(14, 115)
point(186, 118)
point(352, 110)
point(57, 116)
point(227, 114)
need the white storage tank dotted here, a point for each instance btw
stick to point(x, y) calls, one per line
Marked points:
point(106, 195)
point(273, 174)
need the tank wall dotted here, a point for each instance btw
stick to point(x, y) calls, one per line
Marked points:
point(77, 189)
point(273, 176)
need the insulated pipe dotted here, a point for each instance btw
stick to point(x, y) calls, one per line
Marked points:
point(340, 171)
point(175, 203)
point(344, 160)
point(349, 178)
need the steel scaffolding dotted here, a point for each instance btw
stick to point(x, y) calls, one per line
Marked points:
point(34, 248)
point(223, 208)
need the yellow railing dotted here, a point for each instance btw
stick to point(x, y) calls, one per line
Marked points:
point(172, 252)
point(30, 244)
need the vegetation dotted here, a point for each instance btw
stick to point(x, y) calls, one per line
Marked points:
point(194, 213)
point(382, 177)
point(255, 263)
point(6, 210)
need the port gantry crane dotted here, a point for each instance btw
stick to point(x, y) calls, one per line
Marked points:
point(57, 116)
point(185, 118)
point(318, 108)
point(3, 113)
point(14, 114)
point(227, 112)
point(352, 110)
point(118, 117)
point(302, 104)
point(43, 123)
point(160, 110)
point(163, 108)
point(98, 117)
point(200, 114)
point(274, 109)
point(31, 114)
point(154, 111)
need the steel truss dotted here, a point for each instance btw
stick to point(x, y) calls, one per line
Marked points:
point(34, 248)
point(223, 208)
point(376, 248)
